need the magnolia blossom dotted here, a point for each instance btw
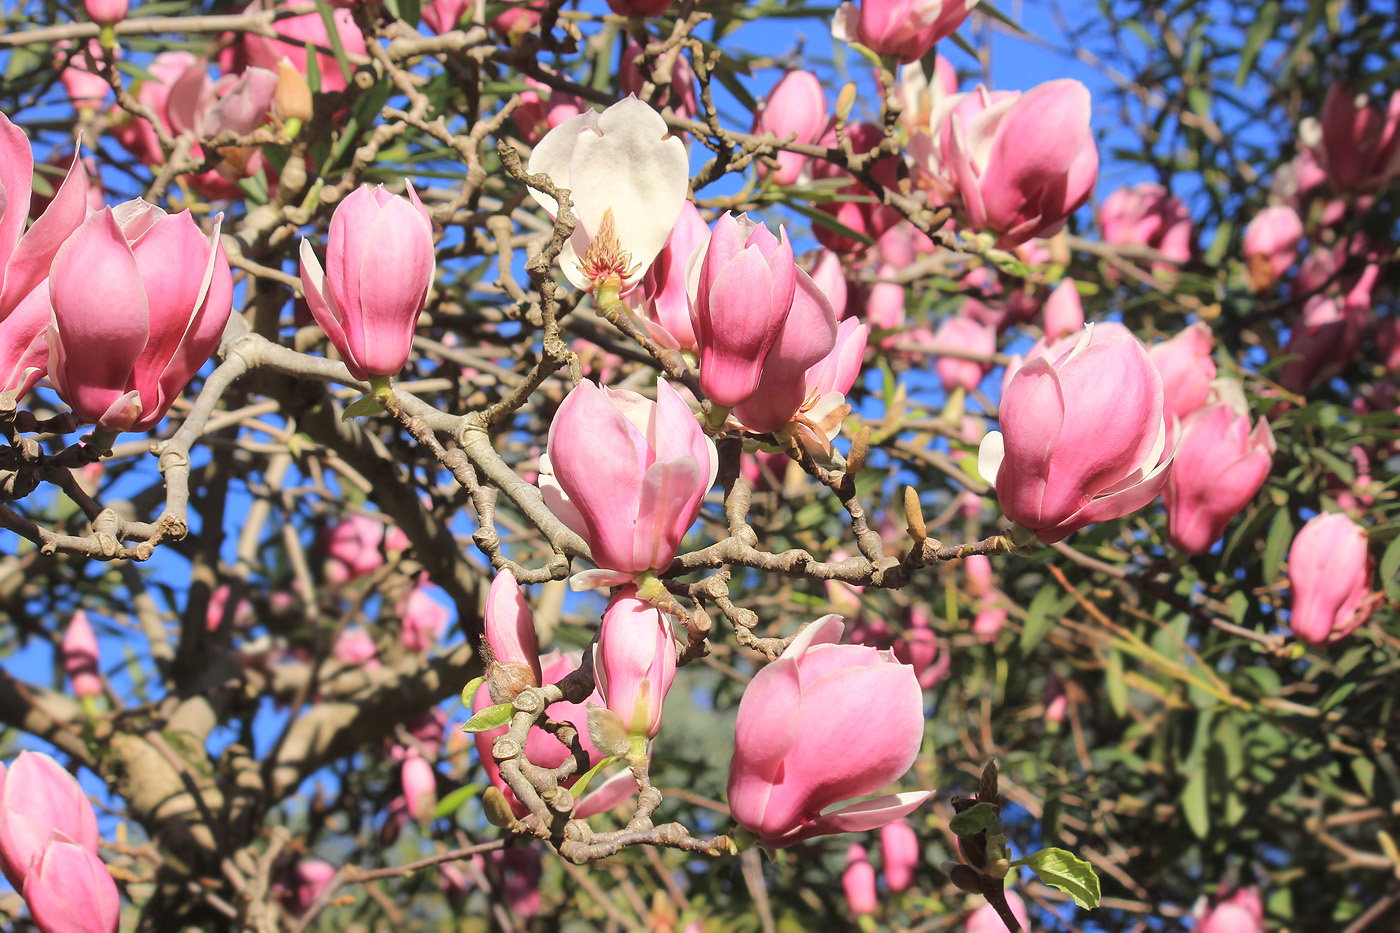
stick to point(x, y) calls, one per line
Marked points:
point(627, 179)
point(806, 739)
point(1359, 142)
point(962, 334)
point(80, 656)
point(1220, 465)
point(292, 35)
point(1187, 369)
point(379, 267)
point(628, 475)
point(512, 648)
point(899, 854)
point(1146, 215)
point(664, 288)
point(1329, 571)
point(26, 256)
point(905, 29)
point(39, 803)
point(69, 890)
point(858, 880)
point(634, 662)
point(795, 107)
point(680, 90)
point(1064, 313)
point(1082, 437)
point(1271, 244)
point(1240, 912)
point(140, 299)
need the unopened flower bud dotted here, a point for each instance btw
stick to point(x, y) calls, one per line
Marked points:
point(292, 99)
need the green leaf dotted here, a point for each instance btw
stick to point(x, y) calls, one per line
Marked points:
point(411, 11)
point(1280, 536)
point(333, 32)
point(1039, 620)
point(1390, 570)
point(829, 222)
point(491, 717)
point(1193, 803)
point(368, 405)
point(581, 784)
point(452, 802)
point(976, 819)
point(470, 690)
point(1068, 872)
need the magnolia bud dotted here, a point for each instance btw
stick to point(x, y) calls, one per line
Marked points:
point(292, 99)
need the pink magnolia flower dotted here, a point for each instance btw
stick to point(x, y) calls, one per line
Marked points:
point(1322, 342)
point(1240, 912)
point(899, 854)
point(815, 699)
point(294, 34)
point(85, 87)
point(379, 268)
point(513, 655)
point(1329, 571)
point(40, 802)
point(680, 92)
point(354, 549)
point(516, 19)
point(966, 335)
point(826, 271)
point(419, 783)
point(26, 257)
point(865, 215)
point(795, 107)
point(106, 12)
point(356, 648)
point(520, 871)
point(444, 15)
point(546, 751)
point(634, 662)
point(309, 879)
point(1187, 369)
point(423, 618)
point(619, 165)
point(80, 656)
point(811, 356)
point(1271, 244)
point(990, 619)
point(921, 92)
point(1220, 465)
point(742, 286)
point(1146, 215)
point(69, 890)
point(1082, 438)
point(542, 109)
point(1360, 142)
point(978, 568)
point(818, 419)
point(905, 29)
point(664, 288)
point(1019, 164)
point(628, 476)
point(986, 920)
point(858, 880)
point(918, 647)
point(140, 299)
point(1064, 313)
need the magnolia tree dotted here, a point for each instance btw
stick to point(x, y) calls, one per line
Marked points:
point(546, 466)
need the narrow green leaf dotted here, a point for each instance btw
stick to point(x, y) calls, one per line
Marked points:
point(368, 405)
point(453, 801)
point(829, 222)
point(491, 717)
point(1390, 570)
point(411, 11)
point(581, 784)
point(1194, 804)
point(333, 32)
point(979, 817)
point(1039, 620)
point(470, 689)
point(1259, 32)
point(1068, 872)
point(1276, 544)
